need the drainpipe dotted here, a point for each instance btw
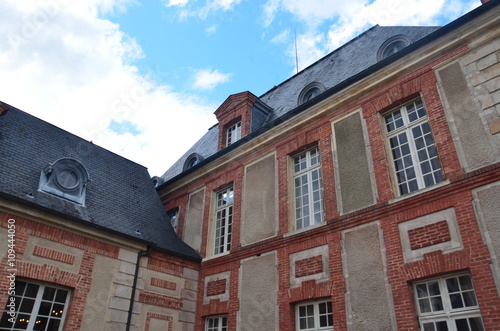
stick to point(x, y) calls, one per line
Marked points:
point(134, 285)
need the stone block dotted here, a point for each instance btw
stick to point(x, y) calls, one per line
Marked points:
point(494, 126)
point(189, 295)
point(186, 316)
point(493, 85)
point(119, 303)
point(190, 274)
point(123, 291)
point(126, 255)
point(120, 316)
point(486, 61)
point(127, 267)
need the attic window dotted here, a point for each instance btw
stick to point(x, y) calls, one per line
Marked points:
point(66, 178)
point(310, 91)
point(192, 160)
point(233, 133)
point(391, 46)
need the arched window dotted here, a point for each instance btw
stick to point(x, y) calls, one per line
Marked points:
point(310, 91)
point(392, 46)
point(192, 160)
point(66, 178)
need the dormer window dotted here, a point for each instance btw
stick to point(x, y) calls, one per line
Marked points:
point(192, 160)
point(310, 91)
point(66, 178)
point(233, 133)
point(392, 46)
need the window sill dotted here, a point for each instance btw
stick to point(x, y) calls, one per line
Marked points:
point(216, 256)
point(315, 226)
point(424, 190)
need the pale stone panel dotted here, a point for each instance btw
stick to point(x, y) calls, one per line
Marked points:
point(258, 293)
point(351, 162)
point(96, 311)
point(259, 201)
point(158, 324)
point(471, 135)
point(194, 220)
point(37, 241)
point(148, 274)
point(321, 276)
point(368, 296)
point(487, 207)
point(221, 297)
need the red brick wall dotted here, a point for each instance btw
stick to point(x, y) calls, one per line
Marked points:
point(216, 287)
point(309, 266)
point(429, 235)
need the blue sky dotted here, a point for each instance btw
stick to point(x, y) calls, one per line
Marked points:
point(143, 78)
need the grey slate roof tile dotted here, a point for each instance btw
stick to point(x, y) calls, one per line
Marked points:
point(331, 70)
point(120, 197)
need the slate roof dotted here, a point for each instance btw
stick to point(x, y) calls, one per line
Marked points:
point(120, 197)
point(333, 69)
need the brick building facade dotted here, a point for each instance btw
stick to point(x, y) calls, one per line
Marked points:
point(361, 194)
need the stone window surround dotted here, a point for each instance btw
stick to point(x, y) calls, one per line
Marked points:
point(453, 245)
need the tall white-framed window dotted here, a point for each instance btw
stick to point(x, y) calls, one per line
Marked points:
point(413, 151)
point(37, 307)
point(233, 133)
point(216, 323)
point(224, 202)
point(314, 316)
point(448, 304)
point(308, 189)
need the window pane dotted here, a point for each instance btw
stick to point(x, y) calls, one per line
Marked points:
point(422, 290)
point(41, 323)
point(434, 288)
point(425, 305)
point(476, 324)
point(429, 327)
point(441, 326)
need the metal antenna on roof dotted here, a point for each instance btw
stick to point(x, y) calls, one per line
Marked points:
point(296, 56)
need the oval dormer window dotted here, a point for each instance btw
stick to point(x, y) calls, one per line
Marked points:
point(192, 160)
point(66, 178)
point(392, 46)
point(310, 91)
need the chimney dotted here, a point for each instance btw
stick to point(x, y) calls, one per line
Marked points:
point(3, 109)
point(484, 1)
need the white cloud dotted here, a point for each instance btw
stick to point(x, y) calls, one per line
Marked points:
point(281, 38)
point(348, 19)
point(211, 7)
point(180, 3)
point(65, 65)
point(211, 29)
point(208, 79)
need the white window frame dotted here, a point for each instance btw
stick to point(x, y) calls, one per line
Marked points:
point(34, 318)
point(233, 133)
point(433, 307)
point(307, 184)
point(219, 323)
point(415, 161)
point(302, 313)
point(223, 220)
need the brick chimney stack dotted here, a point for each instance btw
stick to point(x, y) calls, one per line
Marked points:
point(484, 1)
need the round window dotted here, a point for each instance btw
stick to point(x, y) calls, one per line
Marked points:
point(67, 178)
